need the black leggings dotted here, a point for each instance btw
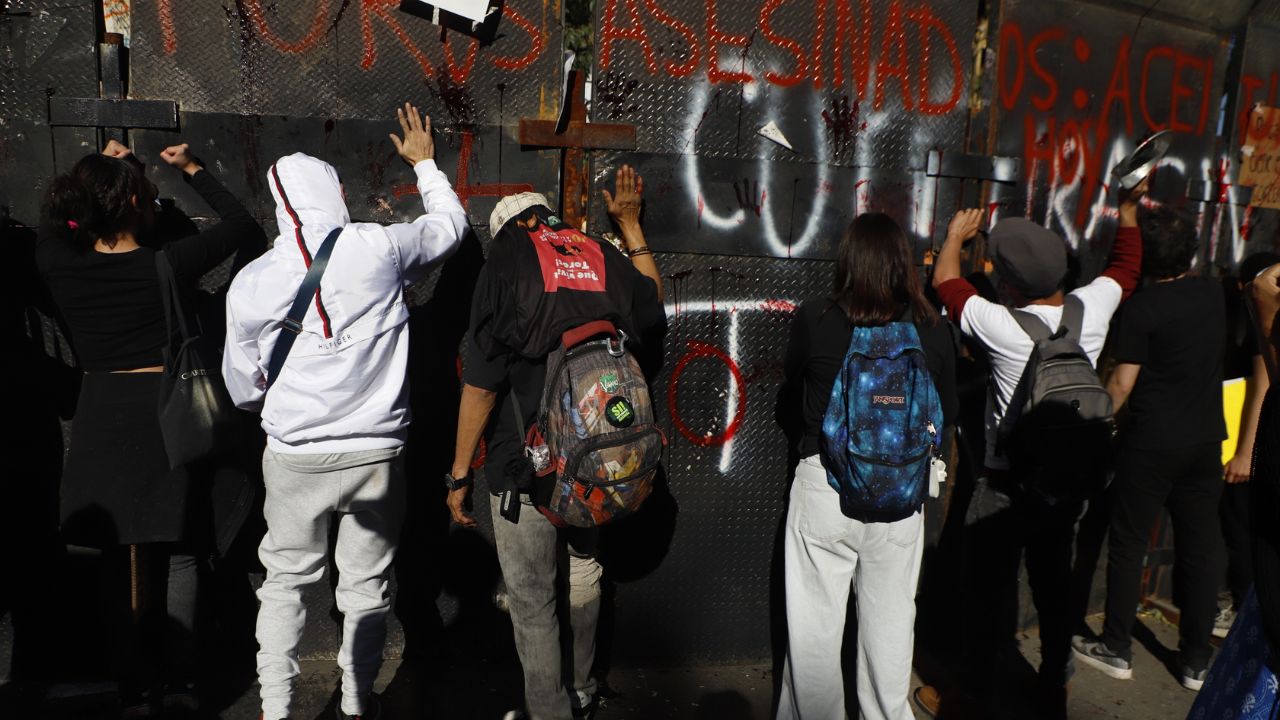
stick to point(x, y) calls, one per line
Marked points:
point(156, 631)
point(1188, 481)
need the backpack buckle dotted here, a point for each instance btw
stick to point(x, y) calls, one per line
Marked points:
point(618, 346)
point(292, 326)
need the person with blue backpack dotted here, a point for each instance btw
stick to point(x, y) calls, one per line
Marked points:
point(870, 385)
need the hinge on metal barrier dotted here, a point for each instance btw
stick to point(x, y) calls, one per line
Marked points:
point(113, 109)
point(1213, 193)
point(964, 166)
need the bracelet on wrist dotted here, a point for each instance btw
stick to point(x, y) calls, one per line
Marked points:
point(637, 252)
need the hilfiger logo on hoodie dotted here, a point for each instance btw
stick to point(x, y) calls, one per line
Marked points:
point(334, 343)
point(302, 246)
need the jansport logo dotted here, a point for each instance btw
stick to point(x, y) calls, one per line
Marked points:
point(888, 400)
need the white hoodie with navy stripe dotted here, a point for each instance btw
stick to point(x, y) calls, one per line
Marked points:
point(343, 387)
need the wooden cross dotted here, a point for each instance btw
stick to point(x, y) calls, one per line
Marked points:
point(576, 137)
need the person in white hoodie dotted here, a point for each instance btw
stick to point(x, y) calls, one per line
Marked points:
point(338, 412)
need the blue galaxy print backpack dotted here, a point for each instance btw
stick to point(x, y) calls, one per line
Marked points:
point(882, 425)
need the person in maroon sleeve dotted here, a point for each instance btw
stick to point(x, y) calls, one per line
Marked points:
point(1003, 519)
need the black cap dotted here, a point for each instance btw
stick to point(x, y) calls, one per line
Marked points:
point(1028, 256)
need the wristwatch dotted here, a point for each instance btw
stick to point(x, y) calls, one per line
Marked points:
point(454, 483)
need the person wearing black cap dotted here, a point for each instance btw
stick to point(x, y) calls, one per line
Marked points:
point(1031, 266)
point(1169, 343)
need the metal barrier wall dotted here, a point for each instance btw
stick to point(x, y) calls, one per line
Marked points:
point(912, 107)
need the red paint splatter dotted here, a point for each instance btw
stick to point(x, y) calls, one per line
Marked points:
point(774, 305)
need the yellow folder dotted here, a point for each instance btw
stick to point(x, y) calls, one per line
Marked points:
point(1232, 406)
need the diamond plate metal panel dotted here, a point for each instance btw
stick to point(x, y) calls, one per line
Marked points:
point(483, 162)
point(772, 208)
point(341, 59)
point(47, 47)
point(1076, 85)
point(729, 319)
point(848, 82)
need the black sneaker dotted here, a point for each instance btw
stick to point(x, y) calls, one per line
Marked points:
point(372, 710)
point(1095, 653)
point(1192, 679)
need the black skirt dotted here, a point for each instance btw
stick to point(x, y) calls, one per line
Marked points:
point(117, 487)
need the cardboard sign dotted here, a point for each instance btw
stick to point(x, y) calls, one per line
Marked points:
point(473, 10)
point(1260, 157)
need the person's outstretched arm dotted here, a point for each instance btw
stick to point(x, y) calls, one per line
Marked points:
point(624, 208)
point(473, 417)
point(1240, 468)
point(435, 235)
point(953, 290)
point(1125, 267)
point(192, 257)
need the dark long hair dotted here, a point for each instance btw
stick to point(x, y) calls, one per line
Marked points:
point(100, 197)
point(875, 277)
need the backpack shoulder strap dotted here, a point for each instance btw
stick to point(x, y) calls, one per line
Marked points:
point(292, 324)
point(1032, 325)
point(1073, 317)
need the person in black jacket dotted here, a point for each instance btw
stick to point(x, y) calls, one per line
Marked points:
point(516, 320)
point(826, 552)
point(96, 252)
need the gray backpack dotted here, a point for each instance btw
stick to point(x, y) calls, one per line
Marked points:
point(1058, 429)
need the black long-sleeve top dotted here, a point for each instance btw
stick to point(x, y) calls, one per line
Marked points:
point(819, 340)
point(111, 302)
point(1264, 500)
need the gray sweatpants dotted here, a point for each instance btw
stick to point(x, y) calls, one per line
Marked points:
point(364, 492)
point(529, 553)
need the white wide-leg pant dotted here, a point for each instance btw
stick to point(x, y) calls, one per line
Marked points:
point(826, 555)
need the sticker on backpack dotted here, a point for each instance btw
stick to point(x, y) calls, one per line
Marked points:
point(600, 433)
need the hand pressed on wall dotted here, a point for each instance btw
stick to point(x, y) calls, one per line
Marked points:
point(624, 203)
point(417, 144)
point(964, 225)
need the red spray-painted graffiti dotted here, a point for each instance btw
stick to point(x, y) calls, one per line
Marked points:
point(462, 184)
point(846, 58)
point(382, 10)
point(1075, 148)
point(698, 349)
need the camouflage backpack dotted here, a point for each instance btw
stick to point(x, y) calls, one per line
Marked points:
point(595, 432)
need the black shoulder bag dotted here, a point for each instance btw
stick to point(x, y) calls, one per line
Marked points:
point(292, 324)
point(195, 410)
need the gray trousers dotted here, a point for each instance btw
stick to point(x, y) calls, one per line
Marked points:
point(364, 493)
point(529, 553)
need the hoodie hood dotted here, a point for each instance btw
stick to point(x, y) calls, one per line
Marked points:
point(309, 203)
